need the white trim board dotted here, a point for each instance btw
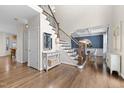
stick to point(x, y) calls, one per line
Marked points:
point(122, 75)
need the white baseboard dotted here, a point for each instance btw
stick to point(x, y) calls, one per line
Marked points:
point(122, 75)
point(40, 69)
point(20, 61)
point(82, 66)
point(69, 64)
point(4, 55)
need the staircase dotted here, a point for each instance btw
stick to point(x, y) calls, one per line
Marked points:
point(67, 54)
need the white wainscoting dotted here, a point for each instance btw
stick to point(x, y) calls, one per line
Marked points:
point(99, 51)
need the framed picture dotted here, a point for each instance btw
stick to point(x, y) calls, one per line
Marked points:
point(47, 41)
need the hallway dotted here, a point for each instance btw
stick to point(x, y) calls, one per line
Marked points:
point(14, 74)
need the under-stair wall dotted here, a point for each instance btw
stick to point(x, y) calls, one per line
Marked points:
point(67, 54)
point(45, 27)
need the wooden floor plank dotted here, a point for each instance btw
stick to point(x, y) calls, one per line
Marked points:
point(13, 74)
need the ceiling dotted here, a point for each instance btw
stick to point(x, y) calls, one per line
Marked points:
point(74, 17)
point(8, 14)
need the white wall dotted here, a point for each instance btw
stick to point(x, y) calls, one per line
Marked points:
point(19, 51)
point(118, 15)
point(46, 28)
point(8, 28)
point(2, 44)
point(3, 51)
point(73, 17)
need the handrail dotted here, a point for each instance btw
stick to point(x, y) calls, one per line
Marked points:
point(55, 20)
point(47, 13)
point(69, 36)
point(52, 14)
point(59, 29)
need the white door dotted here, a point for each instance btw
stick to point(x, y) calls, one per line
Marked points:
point(33, 49)
point(25, 46)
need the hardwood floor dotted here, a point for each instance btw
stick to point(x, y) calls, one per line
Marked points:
point(13, 74)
